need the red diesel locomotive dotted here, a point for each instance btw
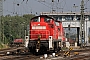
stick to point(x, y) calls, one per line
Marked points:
point(46, 34)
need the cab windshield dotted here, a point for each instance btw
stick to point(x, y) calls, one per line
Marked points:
point(36, 19)
point(47, 20)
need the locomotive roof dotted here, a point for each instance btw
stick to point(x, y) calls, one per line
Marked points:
point(42, 16)
point(45, 16)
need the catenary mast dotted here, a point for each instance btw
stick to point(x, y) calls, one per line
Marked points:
point(82, 25)
point(1, 13)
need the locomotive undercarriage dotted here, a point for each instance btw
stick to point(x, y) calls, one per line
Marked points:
point(43, 47)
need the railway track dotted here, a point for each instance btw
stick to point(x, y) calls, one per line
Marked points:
point(10, 50)
point(14, 54)
point(83, 54)
point(77, 50)
point(20, 57)
point(80, 57)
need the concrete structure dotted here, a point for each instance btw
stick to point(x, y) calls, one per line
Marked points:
point(73, 19)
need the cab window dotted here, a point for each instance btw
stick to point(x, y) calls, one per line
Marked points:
point(47, 20)
point(57, 23)
point(36, 19)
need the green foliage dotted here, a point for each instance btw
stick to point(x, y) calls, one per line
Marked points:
point(14, 27)
point(89, 38)
point(2, 46)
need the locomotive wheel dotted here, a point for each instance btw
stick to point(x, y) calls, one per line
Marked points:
point(56, 47)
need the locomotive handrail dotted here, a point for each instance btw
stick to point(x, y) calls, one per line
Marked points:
point(42, 34)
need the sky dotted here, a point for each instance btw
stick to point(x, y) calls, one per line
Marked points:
point(21, 7)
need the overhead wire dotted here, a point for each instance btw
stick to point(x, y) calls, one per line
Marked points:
point(23, 9)
point(86, 7)
point(43, 4)
point(48, 4)
point(28, 7)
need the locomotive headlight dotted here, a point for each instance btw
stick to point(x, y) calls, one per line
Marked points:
point(38, 42)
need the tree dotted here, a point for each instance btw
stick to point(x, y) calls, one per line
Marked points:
point(14, 26)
